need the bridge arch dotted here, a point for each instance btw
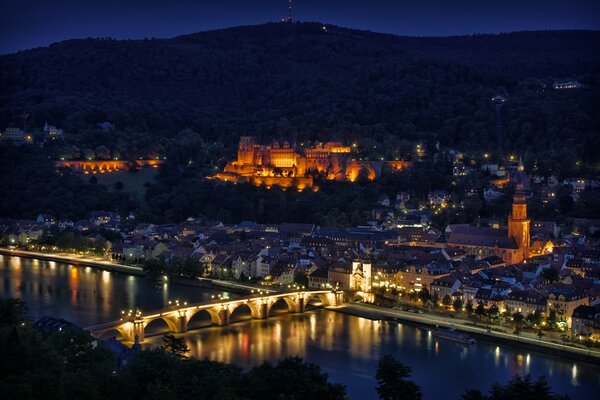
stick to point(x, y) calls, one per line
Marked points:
point(321, 296)
point(215, 319)
point(288, 300)
point(236, 312)
point(171, 325)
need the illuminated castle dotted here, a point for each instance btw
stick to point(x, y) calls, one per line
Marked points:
point(286, 166)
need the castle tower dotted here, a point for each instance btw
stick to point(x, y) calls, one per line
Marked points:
point(246, 150)
point(518, 224)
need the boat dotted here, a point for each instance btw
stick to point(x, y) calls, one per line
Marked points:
point(451, 334)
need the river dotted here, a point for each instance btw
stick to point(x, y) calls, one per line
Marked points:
point(346, 347)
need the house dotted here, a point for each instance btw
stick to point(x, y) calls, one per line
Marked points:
point(318, 279)
point(491, 194)
point(15, 136)
point(438, 198)
point(65, 223)
point(566, 85)
point(460, 170)
point(103, 217)
point(262, 266)
point(586, 322)
point(220, 265)
point(564, 300)
point(46, 219)
point(134, 252)
point(52, 132)
point(494, 170)
point(445, 286)
point(340, 274)
point(402, 198)
point(489, 297)
point(525, 302)
point(241, 264)
point(548, 194)
point(418, 275)
point(383, 201)
point(282, 273)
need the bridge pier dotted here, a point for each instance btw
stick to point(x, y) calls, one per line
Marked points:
point(223, 317)
point(299, 305)
point(137, 329)
point(264, 311)
point(335, 298)
point(182, 322)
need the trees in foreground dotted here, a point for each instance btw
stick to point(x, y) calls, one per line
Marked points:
point(392, 383)
point(518, 388)
point(68, 365)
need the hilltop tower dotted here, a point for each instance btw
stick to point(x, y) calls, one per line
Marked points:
point(518, 223)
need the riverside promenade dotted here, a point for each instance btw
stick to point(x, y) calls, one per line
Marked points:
point(559, 349)
point(95, 262)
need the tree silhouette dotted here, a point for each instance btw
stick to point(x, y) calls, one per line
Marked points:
point(391, 382)
point(175, 346)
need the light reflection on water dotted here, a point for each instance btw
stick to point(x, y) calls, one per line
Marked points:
point(346, 347)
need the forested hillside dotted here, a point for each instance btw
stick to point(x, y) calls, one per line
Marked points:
point(314, 81)
point(190, 98)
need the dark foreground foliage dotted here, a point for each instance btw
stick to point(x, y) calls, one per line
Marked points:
point(67, 364)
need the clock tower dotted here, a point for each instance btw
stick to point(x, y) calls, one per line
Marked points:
point(518, 223)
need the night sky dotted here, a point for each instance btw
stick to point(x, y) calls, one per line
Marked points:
point(30, 23)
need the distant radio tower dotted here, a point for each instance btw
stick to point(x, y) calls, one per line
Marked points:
point(289, 18)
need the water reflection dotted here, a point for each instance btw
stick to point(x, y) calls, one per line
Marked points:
point(84, 295)
point(347, 347)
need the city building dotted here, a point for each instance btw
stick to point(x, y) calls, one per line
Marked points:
point(16, 136)
point(512, 244)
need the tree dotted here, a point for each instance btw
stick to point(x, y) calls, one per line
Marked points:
point(518, 388)
point(102, 153)
point(291, 378)
point(435, 300)
point(447, 301)
point(552, 319)
point(424, 296)
point(518, 319)
point(457, 304)
point(391, 382)
point(469, 307)
point(301, 279)
point(12, 312)
point(175, 346)
point(480, 310)
point(154, 267)
point(534, 318)
point(493, 312)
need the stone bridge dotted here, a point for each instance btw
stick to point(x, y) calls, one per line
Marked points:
point(178, 315)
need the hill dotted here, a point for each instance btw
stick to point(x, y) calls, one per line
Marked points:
point(314, 81)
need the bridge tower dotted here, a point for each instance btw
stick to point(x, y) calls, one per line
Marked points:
point(224, 314)
point(182, 321)
point(136, 326)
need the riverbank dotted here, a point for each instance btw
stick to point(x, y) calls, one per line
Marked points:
point(106, 265)
point(79, 261)
point(372, 312)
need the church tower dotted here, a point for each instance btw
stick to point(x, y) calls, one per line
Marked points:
point(518, 224)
